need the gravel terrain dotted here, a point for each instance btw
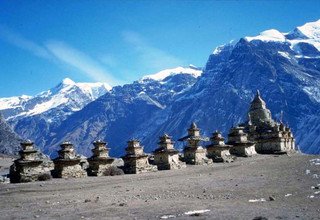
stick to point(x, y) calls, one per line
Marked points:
point(261, 187)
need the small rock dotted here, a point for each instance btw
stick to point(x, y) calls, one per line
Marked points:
point(272, 198)
point(122, 204)
point(36, 216)
point(87, 200)
point(195, 214)
point(260, 218)
point(47, 201)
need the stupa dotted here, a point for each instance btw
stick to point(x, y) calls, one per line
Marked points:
point(135, 160)
point(194, 153)
point(218, 151)
point(29, 167)
point(241, 145)
point(270, 136)
point(165, 156)
point(67, 164)
point(100, 161)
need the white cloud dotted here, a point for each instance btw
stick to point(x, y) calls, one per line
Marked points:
point(62, 52)
point(109, 60)
point(80, 60)
point(148, 55)
point(23, 43)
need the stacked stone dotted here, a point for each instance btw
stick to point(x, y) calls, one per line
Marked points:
point(218, 151)
point(68, 164)
point(270, 137)
point(239, 140)
point(194, 153)
point(29, 167)
point(135, 160)
point(100, 161)
point(166, 157)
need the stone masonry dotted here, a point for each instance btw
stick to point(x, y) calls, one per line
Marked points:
point(165, 156)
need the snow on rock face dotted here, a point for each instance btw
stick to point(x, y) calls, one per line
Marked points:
point(68, 81)
point(192, 70)
point(311, 30)
point(65, 93)
point(308, 33)
point(268, 35)
point(13, 102)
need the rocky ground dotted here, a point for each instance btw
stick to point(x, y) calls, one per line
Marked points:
point(262, 187)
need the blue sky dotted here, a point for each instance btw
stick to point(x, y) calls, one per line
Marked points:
point(42, 42)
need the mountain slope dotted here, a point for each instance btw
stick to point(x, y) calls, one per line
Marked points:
point(124, 113)
point(285, 67)
point(9, 141)
point(34, 117)
point(289, 81)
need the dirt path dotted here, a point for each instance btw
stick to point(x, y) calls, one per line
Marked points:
point(222, 191)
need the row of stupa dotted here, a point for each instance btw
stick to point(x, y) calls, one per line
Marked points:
point(259, 134)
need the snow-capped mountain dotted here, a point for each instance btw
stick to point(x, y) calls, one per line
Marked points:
point(285, 67)
point(23, 106)
point(34, 117)
point(122, 113)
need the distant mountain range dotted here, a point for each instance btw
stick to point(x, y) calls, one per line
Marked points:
point(285, 67)
point(34, 117)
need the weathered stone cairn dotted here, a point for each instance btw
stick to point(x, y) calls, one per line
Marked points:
point(239, 140)
point(194, 153)
point(218, 151)
point(166, 157)
point(67, 164)
point(100, 161)
point(270, 136)
point(135, 160)
point(29, 167)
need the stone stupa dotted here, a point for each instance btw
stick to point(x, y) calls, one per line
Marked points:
point(135, 160)
point(269, 136)
point(100, 161)
point(218, 151)
point(68, 164)
point(30, 166)
point(194, 153)
point(165, 156)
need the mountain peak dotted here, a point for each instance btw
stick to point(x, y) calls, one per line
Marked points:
point(310, 30)
point(309, 33)
point(192, 70)
point(68, 81)
point(268, 35)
